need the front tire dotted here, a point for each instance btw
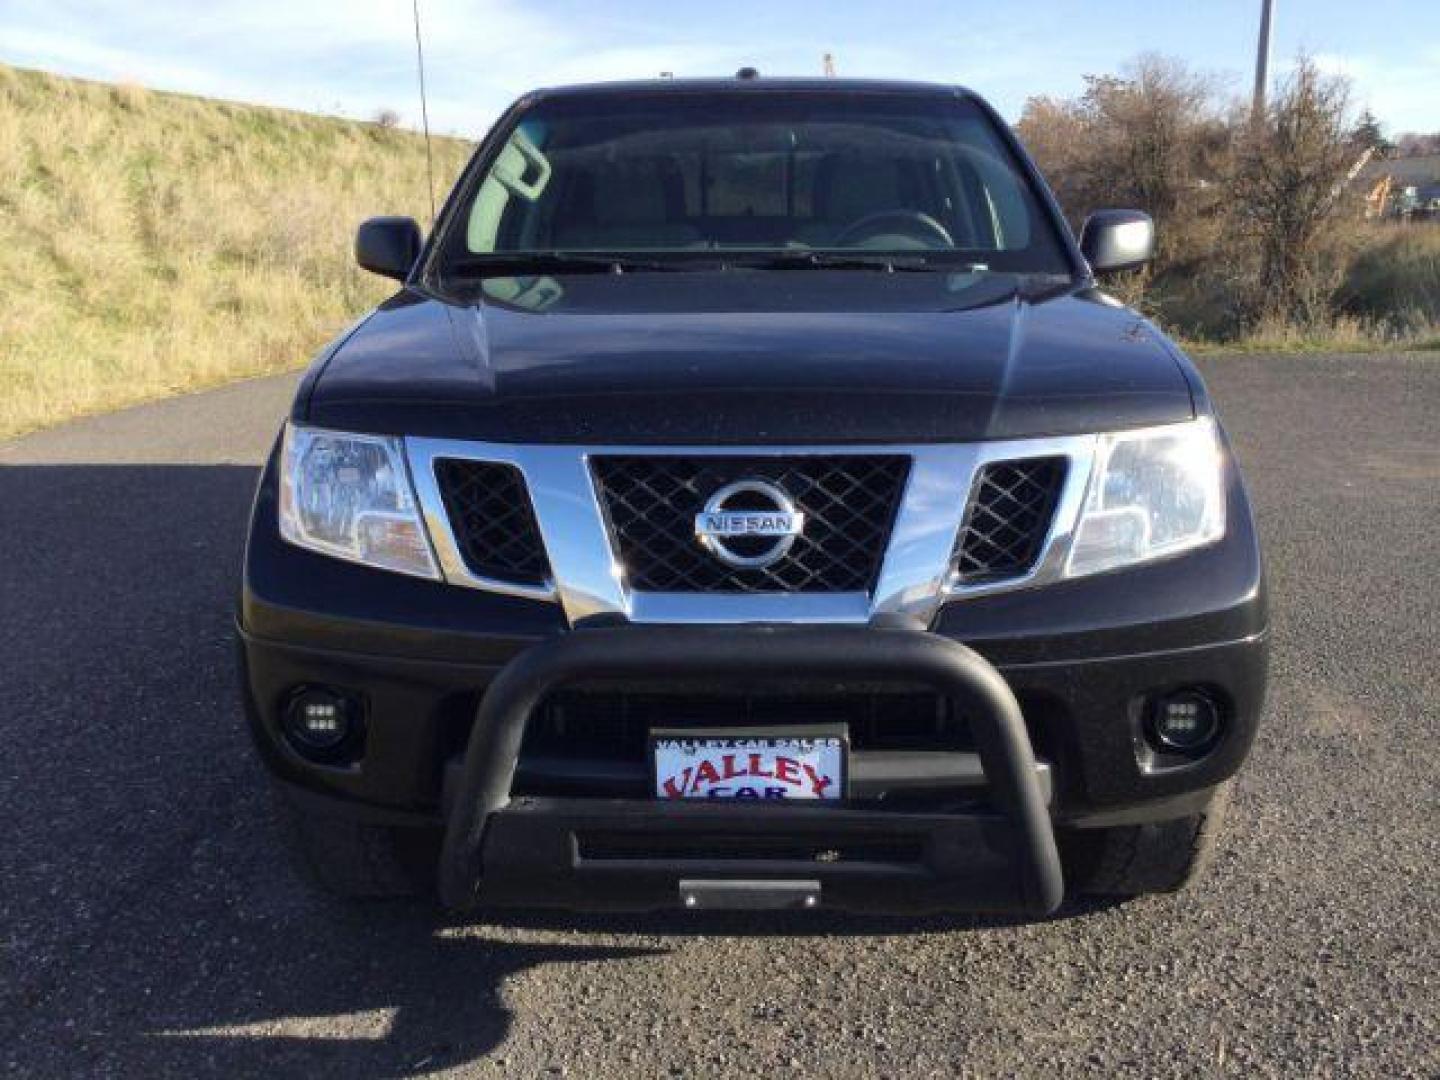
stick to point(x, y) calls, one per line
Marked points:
point(1157, 857)
point(357, 861)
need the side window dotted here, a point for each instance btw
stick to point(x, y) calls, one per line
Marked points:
point(688, 166)
point(747, 185)
point(1004, 204)
point(994, 195)
point(806, 166)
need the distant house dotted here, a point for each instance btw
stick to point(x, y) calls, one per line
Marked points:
point(1406, 187)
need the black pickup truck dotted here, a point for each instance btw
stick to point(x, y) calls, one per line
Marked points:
point(750, 499)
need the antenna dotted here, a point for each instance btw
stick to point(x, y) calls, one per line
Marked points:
point(424, 110)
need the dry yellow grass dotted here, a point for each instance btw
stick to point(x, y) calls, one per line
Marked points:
point(152, 243)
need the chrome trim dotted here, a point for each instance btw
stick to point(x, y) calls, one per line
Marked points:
point(421, 455)
point(915, 576)
point(923, 537)
point(843, 607)
point(1050, 564)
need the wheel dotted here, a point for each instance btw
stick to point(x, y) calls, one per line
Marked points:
point(358, 861)
point(913, 224)
point(1157, 857)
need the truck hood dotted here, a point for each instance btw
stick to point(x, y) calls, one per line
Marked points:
point(749, 358)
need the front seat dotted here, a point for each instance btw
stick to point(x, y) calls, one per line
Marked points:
point(629, 203)
point(849, 187)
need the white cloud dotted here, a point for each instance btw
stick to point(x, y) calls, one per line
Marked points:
point(357, 56)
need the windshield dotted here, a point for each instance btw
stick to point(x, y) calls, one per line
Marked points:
point(774, 173)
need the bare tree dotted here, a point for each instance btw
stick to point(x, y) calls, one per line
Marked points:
point(1153, 138)
point(1288, 183)
point(387, 118)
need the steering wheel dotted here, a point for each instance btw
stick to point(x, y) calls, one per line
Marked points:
point(913, 224)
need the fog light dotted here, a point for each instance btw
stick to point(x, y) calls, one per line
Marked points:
point(319, 720)
point(1187, 722)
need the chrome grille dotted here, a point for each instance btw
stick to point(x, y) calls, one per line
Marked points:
point(1007, 519)
point(493, 521)
point(849, 502)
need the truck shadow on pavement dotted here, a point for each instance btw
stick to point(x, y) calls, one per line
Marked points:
point(378, 991)
point(152, 925)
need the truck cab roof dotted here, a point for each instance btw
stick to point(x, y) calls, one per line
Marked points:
point(760, 84)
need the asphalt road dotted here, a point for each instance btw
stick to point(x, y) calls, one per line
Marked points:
point(151, 926)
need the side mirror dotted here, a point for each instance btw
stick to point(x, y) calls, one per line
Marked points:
point(388, 246)
point(1117, 240)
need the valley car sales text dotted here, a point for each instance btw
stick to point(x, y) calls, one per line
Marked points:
point(741, 775)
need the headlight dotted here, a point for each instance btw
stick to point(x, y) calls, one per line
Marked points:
point(1152, 493)
point(349, 496)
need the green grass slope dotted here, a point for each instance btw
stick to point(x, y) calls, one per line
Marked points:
point(152, 243)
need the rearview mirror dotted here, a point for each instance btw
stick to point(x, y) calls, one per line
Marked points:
point(1117, 240)
point(388, 246)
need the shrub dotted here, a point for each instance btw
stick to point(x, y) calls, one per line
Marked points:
point(1394, 281)
point(1288, 186)
point(1260, 233)
point(1154, 138)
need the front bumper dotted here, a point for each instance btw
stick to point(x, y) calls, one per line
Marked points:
point(991, 850)
point(1001, 858)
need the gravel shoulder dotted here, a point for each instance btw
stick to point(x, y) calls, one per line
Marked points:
point(150, 926)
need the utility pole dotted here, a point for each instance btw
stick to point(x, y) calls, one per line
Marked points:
point(1262, 60)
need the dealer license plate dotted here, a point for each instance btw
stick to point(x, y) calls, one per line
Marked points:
point(728, 765)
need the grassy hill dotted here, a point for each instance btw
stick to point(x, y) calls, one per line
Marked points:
point(151, 243)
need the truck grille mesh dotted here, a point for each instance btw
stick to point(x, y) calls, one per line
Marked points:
point(849, 502)
point(615, 725)
point(1008, 518)
point(493, 521)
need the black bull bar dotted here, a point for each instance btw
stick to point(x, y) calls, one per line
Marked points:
point(1001, 859)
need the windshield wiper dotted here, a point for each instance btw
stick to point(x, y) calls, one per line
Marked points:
point(502, 264)
point(883, 262)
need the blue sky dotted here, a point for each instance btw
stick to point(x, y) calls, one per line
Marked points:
point(355, 57)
